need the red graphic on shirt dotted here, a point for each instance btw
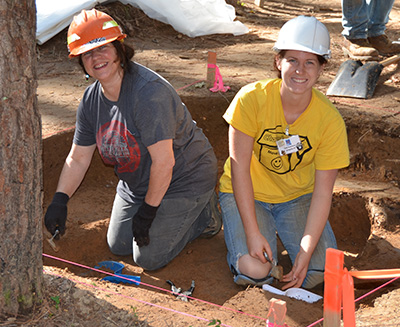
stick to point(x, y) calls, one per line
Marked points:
point(118, 147)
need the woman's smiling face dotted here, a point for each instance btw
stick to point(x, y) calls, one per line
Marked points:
point(300, 71)
point(102, 63)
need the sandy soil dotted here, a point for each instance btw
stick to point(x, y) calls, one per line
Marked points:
point(365, 213)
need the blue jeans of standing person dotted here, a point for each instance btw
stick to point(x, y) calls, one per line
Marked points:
point(178, 222)
point(365, 18)
point(288, 220)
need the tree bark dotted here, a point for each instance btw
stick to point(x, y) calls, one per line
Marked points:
point(20, 161)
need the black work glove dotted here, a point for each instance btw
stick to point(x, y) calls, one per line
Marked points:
point(141, 223)
point(56, 214)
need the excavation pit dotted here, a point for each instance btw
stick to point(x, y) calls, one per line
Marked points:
point(89, 211)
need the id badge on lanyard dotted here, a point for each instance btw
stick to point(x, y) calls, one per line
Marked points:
point(289, 145)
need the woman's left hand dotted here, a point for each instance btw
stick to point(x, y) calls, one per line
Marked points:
point(298, 273)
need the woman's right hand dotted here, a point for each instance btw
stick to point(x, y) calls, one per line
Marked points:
point(257, 245)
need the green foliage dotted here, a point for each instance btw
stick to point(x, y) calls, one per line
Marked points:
point(134, 311)
point(56, 300)
point(215, 322)
point(7, 297)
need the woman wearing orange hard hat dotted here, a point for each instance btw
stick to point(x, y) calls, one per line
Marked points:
point(166, 167)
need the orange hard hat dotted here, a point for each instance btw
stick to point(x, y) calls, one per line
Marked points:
point(92, 29)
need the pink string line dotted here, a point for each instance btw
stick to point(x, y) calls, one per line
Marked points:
point(190, 297)
point(362, 297)
point(131, 298)
point(151, 286)
point(184, 87)
point(376, 289)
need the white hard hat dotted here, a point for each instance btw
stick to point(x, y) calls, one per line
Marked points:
point(304, 33)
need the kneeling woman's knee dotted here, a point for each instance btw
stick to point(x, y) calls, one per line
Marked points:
point(252, 267)
point(119, 247)
point(149, 261)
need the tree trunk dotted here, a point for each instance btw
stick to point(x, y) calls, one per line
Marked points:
point(20, 161)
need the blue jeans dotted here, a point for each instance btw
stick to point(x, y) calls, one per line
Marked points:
point(288, 220)
point(365, 18)
point(178, 222)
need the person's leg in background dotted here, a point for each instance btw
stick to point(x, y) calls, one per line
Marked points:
point(379, 12)
point(355, 20)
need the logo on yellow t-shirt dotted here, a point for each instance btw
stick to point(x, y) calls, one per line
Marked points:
point(268, 153)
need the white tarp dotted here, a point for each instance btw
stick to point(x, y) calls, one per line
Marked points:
point(53, 16)
point(190, 17)
point(193, 17)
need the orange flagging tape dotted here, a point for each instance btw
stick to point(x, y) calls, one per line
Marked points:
point(339, 288)
point(378, 274)
point(333, 287)
point(349, 318)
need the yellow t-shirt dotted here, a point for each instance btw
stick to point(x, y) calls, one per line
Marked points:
point(257, 111)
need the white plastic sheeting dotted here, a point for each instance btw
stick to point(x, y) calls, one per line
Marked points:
point(190, 17)
point(53, 16)
point(193, 17)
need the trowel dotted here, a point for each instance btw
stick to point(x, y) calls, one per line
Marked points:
point(276, 270)
point(295, 293)
point(51, 242)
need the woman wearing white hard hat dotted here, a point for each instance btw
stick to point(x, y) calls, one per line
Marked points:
point(286, 144)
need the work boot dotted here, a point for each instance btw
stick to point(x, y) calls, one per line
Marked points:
point(215, 224)
point(360, 49)
point(384, 45)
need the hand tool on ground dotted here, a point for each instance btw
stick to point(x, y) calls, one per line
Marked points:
point(276, 271)
point(357, 80)
point(116, 268)
point(53, 245)
point(294, 293)
point(181, 295)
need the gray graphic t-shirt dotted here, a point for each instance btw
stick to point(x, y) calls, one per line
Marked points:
point(148, 110)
